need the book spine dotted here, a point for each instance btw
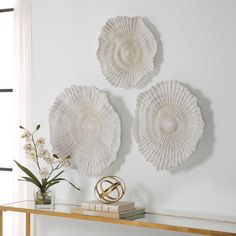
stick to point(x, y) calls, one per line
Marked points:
point(113, 208)
point(110, 214)
point(106, 207)
point(99, 207)
point(96, 213)
point(85, 205)
point(92, 207)
point(131, 213)
point(135, 217)
point(121, 208)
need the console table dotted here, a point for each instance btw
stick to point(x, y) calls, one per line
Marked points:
point(162, 222)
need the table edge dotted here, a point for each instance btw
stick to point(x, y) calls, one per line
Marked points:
point(185, 229)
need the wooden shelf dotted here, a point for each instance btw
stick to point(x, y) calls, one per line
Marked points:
point(155, 221)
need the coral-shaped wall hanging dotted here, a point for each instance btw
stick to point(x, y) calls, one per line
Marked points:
point(84, 125)
point(126, 51)
point(168, 124)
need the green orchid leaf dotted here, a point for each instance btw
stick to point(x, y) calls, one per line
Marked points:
point(62, 179)
point(44, 183)
point(32, 181)
point(29, 173)
point(23, 180)
point(51, 184)
point(29, 180)
point(56, 176)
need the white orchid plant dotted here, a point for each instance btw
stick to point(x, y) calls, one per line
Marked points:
point(49, 166)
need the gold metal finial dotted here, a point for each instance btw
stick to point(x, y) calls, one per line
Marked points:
point(109, 189)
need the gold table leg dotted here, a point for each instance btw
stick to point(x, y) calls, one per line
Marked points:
point(27, 224)
point(1, 223)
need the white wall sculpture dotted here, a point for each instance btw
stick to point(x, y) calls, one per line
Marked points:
point(168, 124)
point(84, 125)
point(126, 51)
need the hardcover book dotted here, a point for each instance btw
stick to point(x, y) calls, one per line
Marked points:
point(118, 215)
point(113, 207)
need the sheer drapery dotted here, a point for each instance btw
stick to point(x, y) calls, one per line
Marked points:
point(22, 88)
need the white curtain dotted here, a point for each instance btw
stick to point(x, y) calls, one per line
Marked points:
point(22, 91)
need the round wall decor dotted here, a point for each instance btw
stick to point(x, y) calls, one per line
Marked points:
point(84, 125)
point(126, 50)
point(168, 124)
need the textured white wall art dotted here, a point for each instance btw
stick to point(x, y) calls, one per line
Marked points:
point(84, 125)
point(65, 56)
point(126, 51)
point(168, 124)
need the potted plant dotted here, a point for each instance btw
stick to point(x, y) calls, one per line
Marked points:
point(49, 167)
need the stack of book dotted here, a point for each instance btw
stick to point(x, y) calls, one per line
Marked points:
point(119, 210)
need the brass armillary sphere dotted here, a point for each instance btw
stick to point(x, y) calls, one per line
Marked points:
point(109, 189)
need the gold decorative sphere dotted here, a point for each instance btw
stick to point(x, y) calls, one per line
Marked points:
point(109, 189)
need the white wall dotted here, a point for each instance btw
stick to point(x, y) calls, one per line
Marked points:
point(198, 49)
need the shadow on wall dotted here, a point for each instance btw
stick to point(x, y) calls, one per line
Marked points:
point(147, 197)
point(126, 139)
point(206, 143)
point(158, 59)
point(142, 196)
point(81, 181)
